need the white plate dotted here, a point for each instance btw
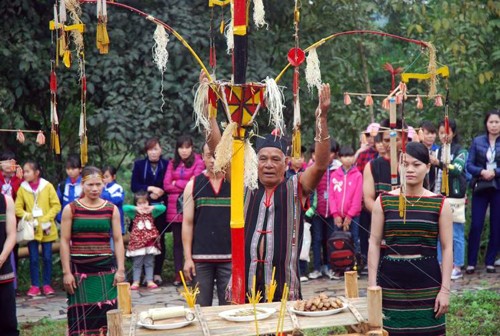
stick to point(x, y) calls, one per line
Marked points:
point(165, 326)
point(319, 313)
point(263, 314)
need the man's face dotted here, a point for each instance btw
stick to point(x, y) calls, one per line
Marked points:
point(208, 158)
point(387, 141)
point(429, 138)
point(272, 166)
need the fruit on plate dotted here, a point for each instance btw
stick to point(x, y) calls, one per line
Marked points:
point(318, 303)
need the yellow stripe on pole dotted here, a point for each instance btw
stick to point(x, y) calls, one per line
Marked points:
point(237, 183)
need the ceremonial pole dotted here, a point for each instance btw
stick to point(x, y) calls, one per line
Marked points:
point(239, 22)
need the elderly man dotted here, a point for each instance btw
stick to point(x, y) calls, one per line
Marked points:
point(274, 212)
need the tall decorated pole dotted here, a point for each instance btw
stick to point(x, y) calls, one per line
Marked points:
point(239, 22)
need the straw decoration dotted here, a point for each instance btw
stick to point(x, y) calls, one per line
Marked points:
point(271, 288)
point(281, 316)
point(255, 298)
point(189, 293)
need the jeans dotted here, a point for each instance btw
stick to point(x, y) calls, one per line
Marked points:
point(160, 258)
point(480, 203)
point(321, 229)
point(34, 263)
point(458, 245)
point(148, 261)
point(206, 274)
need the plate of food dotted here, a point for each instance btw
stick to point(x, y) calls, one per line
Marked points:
point(321, 305)
point(165, 326)
point(246, 314)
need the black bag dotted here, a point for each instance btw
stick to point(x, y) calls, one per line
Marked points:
point(341, 251)
point(482, 186)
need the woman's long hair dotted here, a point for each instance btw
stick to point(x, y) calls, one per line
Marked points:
point(488, 115)
point(181, 141)
point(453, 126)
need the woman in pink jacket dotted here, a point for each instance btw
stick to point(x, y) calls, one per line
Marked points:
point(185, 166)
point(345, 201)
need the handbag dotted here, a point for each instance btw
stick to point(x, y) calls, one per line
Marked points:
point(25, 230)
point(482, 186)
point(457, 209)
point(180, 203)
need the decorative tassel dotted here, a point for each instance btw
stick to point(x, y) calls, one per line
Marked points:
point(385, 104)
point(347, 99)
point(54, 142)
point(259, 14)
point(445, 187)
point(160, 52)
point(62, 12)
point(229, 37)
point(102, 38)
point(438, 101)
point(84, 151)
point(274, 101)
point(368, 100)
point(420, 104)
point(251, 171)
point(313, 71)
point(399, 99)
point(432, 69)
point(402, 206)
point(224, 150)
point(67, 58)
point(20, 136)
point(402, 191)
point(200, 105)
point(40, 138)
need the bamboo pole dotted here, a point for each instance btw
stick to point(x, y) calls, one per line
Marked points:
point(375, 307)
point(351, 284)
point(124, 298)
point(114, 318)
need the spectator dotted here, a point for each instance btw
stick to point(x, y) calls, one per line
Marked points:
point(70, 189)
point(367, 151)
point(113, 192)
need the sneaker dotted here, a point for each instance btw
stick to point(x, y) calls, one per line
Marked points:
point(304, 278)
point(470, 269)
point(497, 262)
point(152, 285)
point(177, 282)
point(490, 269)
point(324, 270)
point(314, 274)
point(158, 280)
point(34, 291)
point(135, 285)
point(48, 291)
point(332, 275)
point(456, 274)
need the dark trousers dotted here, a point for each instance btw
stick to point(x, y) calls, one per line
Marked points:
point(365, 221)
point(8, 320)
point(161, 225)
point(480, 203)
point(178, 251)
point(206, 274)
point(321, 229)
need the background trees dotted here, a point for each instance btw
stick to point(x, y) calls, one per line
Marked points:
point(124, 86)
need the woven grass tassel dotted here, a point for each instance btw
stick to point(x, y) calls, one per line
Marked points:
point(40, 138)
point(102, 38)
point(296, 143)
point(259, 14)
point(402, 206)
point(274, 101)
point(420, 104)
point(251, 174)
point(20, 136)
point(369, 100)
point(84, 152)
point(224, 150)
point(445, 183)
point(347, 99)
point(313, 71)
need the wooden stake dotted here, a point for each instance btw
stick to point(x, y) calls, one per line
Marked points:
point(351, 284)
point(124, 298)
point(375, 307)
point(114, 318)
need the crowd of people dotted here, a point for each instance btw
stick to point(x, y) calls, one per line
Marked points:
point(299, 204)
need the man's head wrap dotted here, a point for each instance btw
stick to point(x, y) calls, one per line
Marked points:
point(271, 140)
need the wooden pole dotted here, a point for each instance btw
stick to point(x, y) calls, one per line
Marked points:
point(375, 307)
point(124, 298)
point(237, 162)
point(114, 318)
point(351, 284)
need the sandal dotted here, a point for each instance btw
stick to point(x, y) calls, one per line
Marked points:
point(152, 285)
point(135, 286)
point(470, 269)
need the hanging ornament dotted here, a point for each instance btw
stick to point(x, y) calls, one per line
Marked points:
point(40, 138)
point(102, 37)
point(259, 14)
point(313, 72)
point(385, 104)
point(20, 136)
point(347, 99)
point(399, 99)
point(368, 100)
point(438, 101)
point(420, 104)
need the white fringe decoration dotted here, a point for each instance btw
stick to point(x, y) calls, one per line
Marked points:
point(62, 12)
point(274, 101)
point(160, 55)
point(224, 150)
point(200, 106)
point(313, 72)
point(81, 129)
point(296, 112)
point(251, 175)
point(259, 14)
point(228, 33)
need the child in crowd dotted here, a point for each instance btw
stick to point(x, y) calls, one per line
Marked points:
point(346, 185)
point(144, 243)
point(71, 188)
point(37, 201)
point(113, 192)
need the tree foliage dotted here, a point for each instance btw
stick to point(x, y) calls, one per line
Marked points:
point(124, 99)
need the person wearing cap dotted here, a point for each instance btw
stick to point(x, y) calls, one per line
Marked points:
point(274, 212)
point(367, 151)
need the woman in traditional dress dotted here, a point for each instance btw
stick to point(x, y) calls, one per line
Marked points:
point(90, 275)
point(415, 292)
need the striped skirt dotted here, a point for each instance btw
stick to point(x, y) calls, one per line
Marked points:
point(87, 307)
point(409, 290)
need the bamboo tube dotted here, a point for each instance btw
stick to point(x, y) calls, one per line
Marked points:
point(114, 318)
point(375, 307)
point(351, 284)
point(124, 298)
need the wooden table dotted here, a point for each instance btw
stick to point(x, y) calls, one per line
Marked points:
point(218, 326)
